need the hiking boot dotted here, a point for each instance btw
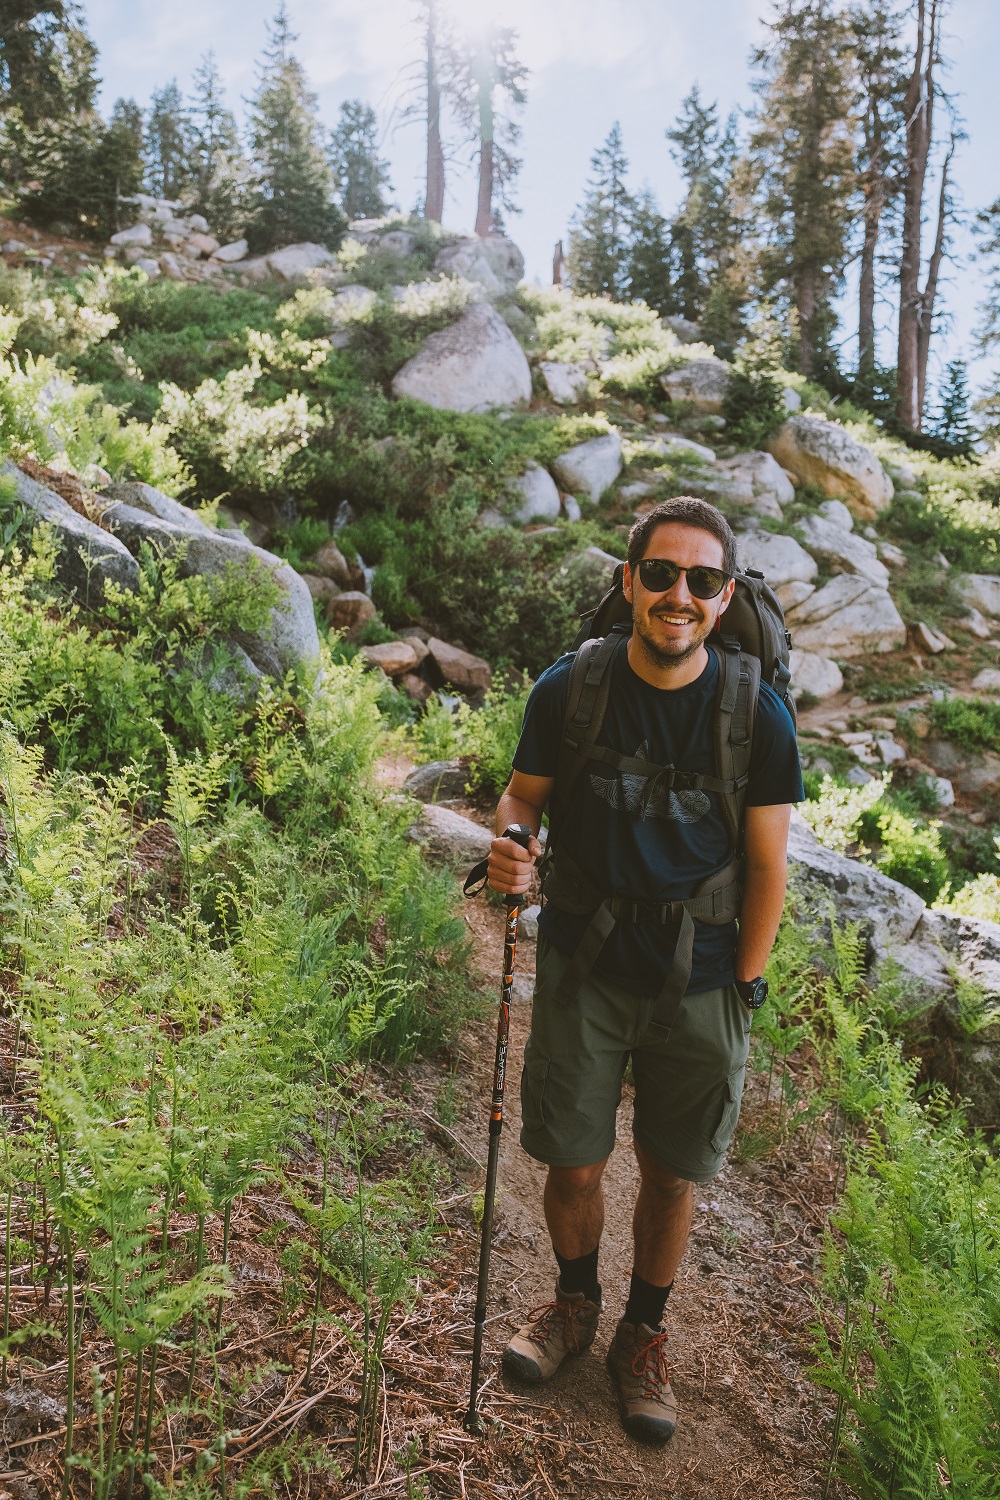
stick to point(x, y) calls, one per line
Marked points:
point(565, 1326)
point(638, 1366)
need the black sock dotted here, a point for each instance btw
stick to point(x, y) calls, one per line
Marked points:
point(646, 1302)
point(580, 1275)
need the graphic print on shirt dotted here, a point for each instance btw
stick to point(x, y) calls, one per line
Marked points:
point(643, 798)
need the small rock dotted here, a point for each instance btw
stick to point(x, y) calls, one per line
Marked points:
point(858, 776)
point(791, 594)
point(921, 725)
point(943, 790)
point(419, 644)
point(137, 234)
point(460, 668)
point(815, 674)
point(495, 262)
point(844, 550)
point(665, 443)
point(974, 623)
point(330, 562)
point(981, 591)
point(296, 260)
point(883, 722)
point(571, 508)
point(889, 749)
point(891, 555)
point(202, 244)
point(539, 495)
point(702, 383)
point(941, 560)
point(837, 513)
point(590, 467)
point(350, 611)
point(149, 266)
point(780, 558)
point(449, 836)
point(792, 399)
point(527, 923)
point(854, 737)
point(588, 573)
point(986, 681)
point(171, 266)
point(229, 254)
point(393, 657)
point(566, 384)
point(320, 587)
point(415, 687)
point(934, 641)
point(198, 223)
point(437, 781)
point(639, 489)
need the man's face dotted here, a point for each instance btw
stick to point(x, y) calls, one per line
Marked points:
point(672, 626)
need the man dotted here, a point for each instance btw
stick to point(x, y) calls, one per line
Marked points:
point(649, 842)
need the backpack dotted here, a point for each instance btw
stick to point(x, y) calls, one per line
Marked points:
point(755, 648)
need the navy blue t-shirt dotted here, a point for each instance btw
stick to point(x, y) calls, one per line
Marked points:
point(662, 851)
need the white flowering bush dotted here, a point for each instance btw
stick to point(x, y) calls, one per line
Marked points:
point(216, 426)
point(835, 815)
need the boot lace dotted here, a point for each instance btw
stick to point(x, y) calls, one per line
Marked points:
point(546, 1319)
point(650, 1366)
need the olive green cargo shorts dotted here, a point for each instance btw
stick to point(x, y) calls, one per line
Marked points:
point(687, 1088)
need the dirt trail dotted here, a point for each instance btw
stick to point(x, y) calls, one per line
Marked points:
point(751, 1424)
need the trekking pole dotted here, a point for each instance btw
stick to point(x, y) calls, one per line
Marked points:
point(521, 835)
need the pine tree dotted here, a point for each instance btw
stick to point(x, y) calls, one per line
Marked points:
point(650, 266)
point(360, 175)
point(218, 168)
point(30, 75)
point(953, 424)
point(695, 136)
point(291, 195)
point(803, 148)
point(167, 146)
point(485, 79)
point(117, 167)
point(600, 233)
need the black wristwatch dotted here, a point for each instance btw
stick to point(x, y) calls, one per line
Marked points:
point(753, 992)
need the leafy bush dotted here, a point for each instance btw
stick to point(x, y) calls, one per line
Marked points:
point(972, 723)
point(951, 518)
point(835, 814)
point(912, 854)
point(485, 737)
point(753, 406)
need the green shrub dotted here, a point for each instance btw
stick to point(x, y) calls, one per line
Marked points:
point(970, 722)
point(912, 854)
point(753, 406)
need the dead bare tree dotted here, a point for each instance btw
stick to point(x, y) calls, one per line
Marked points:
point(916, 303)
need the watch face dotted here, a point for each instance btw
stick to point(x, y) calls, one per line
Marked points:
point(758, 994)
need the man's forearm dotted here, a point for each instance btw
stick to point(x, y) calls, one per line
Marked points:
point(760, 914)
point(511, 809)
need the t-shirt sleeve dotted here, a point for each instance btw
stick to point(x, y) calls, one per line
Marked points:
point(775, 773)
point(537, 752)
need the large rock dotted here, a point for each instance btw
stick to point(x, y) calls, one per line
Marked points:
point(539, 495)
point(683, 329)
point(764, 477)
point(136, 234)
point(296, 260)
point(438, 781)
point(860, 893)
point(847, 617)
point(821, 453)
point(89, 557)
point(394, 658)
point(566, 384)
point(845, 551)
point(980, 591)
point(815, 674)
point(780, 558)
point(450, 837)
point(495, 263)
point(473, 365)
point(590, 467)
point(330, 562)
point(587, 575)
point(702, 383)
point(289, 642)
point(460, 668)
point(155, 503)
point(350, 612)
point(229, 254)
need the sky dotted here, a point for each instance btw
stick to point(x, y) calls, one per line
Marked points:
point(592, 62)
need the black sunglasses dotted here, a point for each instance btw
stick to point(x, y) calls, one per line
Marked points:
point(659, 574)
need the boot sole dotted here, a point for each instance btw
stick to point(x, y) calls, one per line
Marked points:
point(654, 1431)
point(523, 1368)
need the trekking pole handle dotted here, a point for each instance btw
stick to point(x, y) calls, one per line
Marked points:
point(521, 834)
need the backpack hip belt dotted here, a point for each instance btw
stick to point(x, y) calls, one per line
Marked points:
point(716, 900)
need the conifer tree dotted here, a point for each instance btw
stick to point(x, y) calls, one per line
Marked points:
point(485, 79)
point(360, 175)
point(803, 148)
point(117, 166)
point(650, 266)
point(30, 75)
point(291, 195)
point(953, 423)
point(695, 137)
point(167, 146)
point(600, 233)
point(218, 168)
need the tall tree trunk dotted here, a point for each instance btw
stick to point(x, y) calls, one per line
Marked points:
point(434, 195)
point(805, 306)
point(558, 264)
point(925, 326)
point(484, 203)
point(918, 108)
point(876, 193)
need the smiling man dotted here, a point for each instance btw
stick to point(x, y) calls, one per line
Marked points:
point(652, 943)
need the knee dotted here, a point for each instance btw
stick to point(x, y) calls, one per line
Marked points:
point(575, 1184)
point(657, 1180)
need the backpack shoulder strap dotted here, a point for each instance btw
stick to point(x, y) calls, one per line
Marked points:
point(586, 705)
point(735, 716)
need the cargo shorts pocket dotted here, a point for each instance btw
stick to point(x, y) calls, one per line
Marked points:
point(534, 1075)
point(732, 1096)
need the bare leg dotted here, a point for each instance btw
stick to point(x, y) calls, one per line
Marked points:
point(662, 1221)
point(574, 1208)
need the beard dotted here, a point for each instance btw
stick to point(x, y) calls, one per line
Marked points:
point(670, 653)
